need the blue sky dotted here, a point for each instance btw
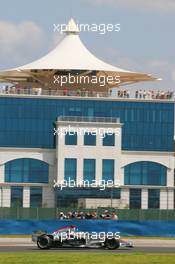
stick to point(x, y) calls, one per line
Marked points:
point(146, 41)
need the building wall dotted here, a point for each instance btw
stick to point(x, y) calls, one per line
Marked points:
point(32, 120)
point(29, 122)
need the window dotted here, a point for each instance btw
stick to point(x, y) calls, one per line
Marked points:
point(27, 171)
point(35, 197)
point(68, 197)
point(70, 169)
point(71, 139)
point(89, 170)
point(109, 140)
point(108, 169)
point(135, 199)
point(16, 196)
point(29, 122)
point(153, 198)
point(145, 173)
point(89, 139)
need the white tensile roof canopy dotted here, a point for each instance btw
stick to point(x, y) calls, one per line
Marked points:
point(70, 56)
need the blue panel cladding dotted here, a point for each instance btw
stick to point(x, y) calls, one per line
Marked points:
point(125, 228)
point(29, 122)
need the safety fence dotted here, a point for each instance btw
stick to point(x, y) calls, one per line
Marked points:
point(53, 213)
point(125, 228)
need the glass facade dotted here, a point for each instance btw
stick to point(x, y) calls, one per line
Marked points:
point(68, 197)
point(71, 139)
point(26, 171)
point(70, 169)
point(29, 122)
point(135, 198)
point(16, 196)
point(153, 198)
point(108, 170)
point(145, 173)
point(109, 140)
point(35, 197)
point(89, 139)
point(89, 166)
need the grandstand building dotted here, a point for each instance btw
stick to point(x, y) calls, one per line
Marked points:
point(136, 157)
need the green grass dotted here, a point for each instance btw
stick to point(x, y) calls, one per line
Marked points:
point(85, 258)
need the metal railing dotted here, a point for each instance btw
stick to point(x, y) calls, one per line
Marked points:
point(119, 94)
point(89, 119)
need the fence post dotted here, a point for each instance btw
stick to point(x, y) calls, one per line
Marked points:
point(37, 213)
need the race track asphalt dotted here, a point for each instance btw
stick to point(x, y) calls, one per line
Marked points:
point(140, 246)
point(26, 248)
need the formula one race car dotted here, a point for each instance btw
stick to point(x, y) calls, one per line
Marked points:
point(69, 236)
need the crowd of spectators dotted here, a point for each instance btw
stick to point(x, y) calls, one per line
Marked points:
point(138, 94)
point(106, 215)
point(151, 94)
point(146, 94)
point(16, 89)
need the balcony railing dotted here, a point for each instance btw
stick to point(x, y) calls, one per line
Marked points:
point(119, 94)
point(89, 119)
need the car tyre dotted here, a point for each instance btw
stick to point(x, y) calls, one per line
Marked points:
point(112, 244)
point(43, 242)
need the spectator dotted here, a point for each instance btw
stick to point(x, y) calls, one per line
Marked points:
point(65, 91)
point(114, 216)
point(61, 216)
point(136, 94)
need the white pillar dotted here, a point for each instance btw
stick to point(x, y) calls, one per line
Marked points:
point(60, 157)
point(170, 177)
point(48, 197)
point(163, 199)
point(51, 174)
point(6, 196)
point(99, 141)
point(26, 197)
point(80, 139)
point(170, 199)
point(125, 197)
point(79, 170)
point(2, 173)
point(118, 137)
point(98, 170)
point(144, 204)
point(121, 178)
point(60, 169)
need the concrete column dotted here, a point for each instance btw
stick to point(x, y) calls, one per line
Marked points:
point(125, 197)
point(118, 138)
point(51, 174)
point(6, 196)
point(170, 199)
point(99, 140)
point(79, 170)
point(98, 170)
point(2, 173)
point(121, 176)
point(26, 197)
point(60, 169)
point(48, 195)
point(60, 158)
point(163, 199)
point(80, 139)
point(170, 177)
point(144, 200)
